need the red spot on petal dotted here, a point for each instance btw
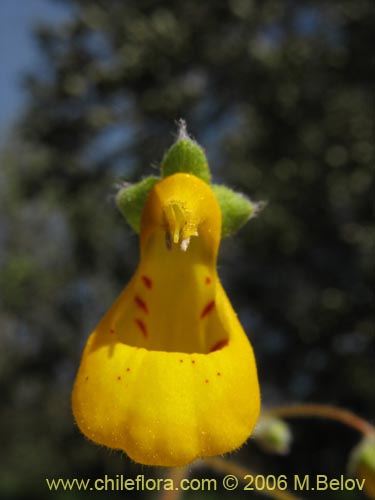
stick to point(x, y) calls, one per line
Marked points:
point(208, 308)
point(86, 378)
point(147, 281)
point(141, 304)
point(219, 345)
point(128, 369)
point(193, 361)
point(141, 326)
point(218, 374)
point(207, 280)
point(111, 331)
point(206, 381)
point(119, 377)
point(181, 360)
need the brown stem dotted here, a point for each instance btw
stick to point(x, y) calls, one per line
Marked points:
point(322, 411)
point(242, 474)
point(176, 474)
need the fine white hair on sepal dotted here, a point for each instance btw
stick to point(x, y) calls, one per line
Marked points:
point(258, 207)
point(182, 133)
point(122, 185)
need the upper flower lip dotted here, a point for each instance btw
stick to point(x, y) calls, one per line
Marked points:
point(178, 206)
point(171, 303)
point(176, 308)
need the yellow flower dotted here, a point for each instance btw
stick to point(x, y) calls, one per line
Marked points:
point(169, 375)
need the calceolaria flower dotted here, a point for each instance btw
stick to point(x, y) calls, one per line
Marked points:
point(169, 375)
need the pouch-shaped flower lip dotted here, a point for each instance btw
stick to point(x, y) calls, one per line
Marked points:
point(169, 375)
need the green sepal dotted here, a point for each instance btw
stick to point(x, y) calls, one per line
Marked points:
point(236, 209)
point(273, 435)
point(188, 157)
point(131, 198)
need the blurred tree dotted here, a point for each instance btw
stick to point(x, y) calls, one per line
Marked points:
point(279, 93)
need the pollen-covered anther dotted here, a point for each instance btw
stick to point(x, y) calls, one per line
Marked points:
point(184, 244)
point(180, 225)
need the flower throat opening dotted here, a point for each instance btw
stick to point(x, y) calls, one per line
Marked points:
point(171, 303)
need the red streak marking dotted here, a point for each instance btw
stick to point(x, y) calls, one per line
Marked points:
point(207, 280)
point(208, 309)
point(147, 281)
point(219, 345)
point(86, 378)
point(119, 377)
point(141, 304)
point(141, 326)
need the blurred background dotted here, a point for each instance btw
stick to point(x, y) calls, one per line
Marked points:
point(279, 95)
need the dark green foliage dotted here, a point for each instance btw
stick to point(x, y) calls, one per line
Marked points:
point(279, 95)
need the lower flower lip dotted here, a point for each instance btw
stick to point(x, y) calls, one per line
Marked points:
point(147, 402)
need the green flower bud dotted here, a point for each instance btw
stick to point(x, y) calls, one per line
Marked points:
point(273, 435)
point(236, 209)
point(185, 156)
point(362, 464)
point(131, 199)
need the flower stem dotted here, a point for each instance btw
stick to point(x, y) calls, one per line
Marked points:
point(243, 475)
point(176, 474)
point(322, 411)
